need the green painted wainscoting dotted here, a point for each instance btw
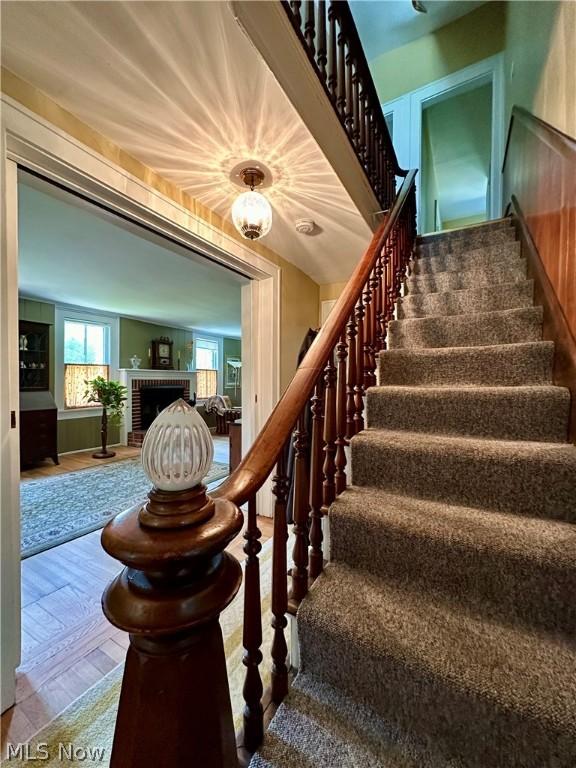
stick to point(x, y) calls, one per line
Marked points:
point(83, 433)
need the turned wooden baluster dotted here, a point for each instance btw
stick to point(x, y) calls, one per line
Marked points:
point(279, 583)
point(295, 5)
point(362, 121)
point(359, 383)
point(385, 260)
point(341, 442)
point(332, 80)
point(301, 508)
point(391, 277)
point(368, 380)
point(309, 25)
point(355, 107)
point(341, 100)
point(329, 468)
point(351, 378)
point(322, 57)
point(400, 266)
point(349, 119)
point(374, 346)
point(252, 634)
point(378, 272)
point(316, 479)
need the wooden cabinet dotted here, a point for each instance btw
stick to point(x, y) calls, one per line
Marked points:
point(38, 411)
point(235, 437)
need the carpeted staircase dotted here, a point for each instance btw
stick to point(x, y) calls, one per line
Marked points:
point(442, 634)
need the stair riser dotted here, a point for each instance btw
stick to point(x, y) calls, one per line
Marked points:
point(461, 262)
point(511, 415)
point(516, 588)
point(511, 296)
point(476, 732)
point(504, 272)
point(517, 365)
point(469, 243)
point(541, 485)
point(512, 327)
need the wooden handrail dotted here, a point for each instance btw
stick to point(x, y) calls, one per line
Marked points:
point(561, 142)
point(256, 466)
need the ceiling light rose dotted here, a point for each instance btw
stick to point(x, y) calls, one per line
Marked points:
point(251, 212)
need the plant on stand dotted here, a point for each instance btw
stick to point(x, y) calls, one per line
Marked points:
point(111, 395)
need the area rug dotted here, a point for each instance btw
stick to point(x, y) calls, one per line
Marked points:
point(87, 726)
point(59, 508)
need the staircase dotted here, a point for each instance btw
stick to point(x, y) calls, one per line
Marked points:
point(442, 631)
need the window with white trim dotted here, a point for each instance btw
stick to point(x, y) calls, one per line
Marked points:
point(206, 361)
point(86, 355)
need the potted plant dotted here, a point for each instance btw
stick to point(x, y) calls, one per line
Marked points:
point(111, 395)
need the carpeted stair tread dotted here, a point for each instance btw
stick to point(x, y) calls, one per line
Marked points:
point(503, 413)
point(513, 566)
point(514, 295)
point(317, 725)
point(494, 365)
point(479, 689)
point(508, 271)
point(468, 242)
point(482, 228)
point(508, 326)
point(474, 259)
point(508, 476)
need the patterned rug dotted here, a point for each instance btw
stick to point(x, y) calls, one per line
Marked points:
point(88, 723)
point(59, 508)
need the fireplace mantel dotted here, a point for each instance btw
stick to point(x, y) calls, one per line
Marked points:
point(132, 378)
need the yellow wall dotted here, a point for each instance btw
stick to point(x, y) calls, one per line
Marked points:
point(471, 38)
point(331, 291)
point(539, 61)
point(299, 292)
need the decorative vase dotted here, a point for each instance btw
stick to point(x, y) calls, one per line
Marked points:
point(177, 451)
point(135, 362)
point(23, 341)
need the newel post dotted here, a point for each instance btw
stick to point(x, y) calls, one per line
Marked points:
point(175, 702)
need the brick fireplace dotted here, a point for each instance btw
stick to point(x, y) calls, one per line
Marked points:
point(148, 393)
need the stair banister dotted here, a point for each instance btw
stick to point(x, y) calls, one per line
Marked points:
point(175, 702)
point(256, 466)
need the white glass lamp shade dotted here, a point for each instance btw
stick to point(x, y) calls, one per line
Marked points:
point(177, 451)
point(252, 215)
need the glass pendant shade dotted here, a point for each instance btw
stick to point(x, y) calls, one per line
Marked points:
point(252, 215)
point(177, 451)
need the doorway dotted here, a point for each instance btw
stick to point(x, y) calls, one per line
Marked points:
point(410, 116)
point(455, 170)
point(43, 148)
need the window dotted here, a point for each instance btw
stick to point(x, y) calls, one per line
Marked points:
point(86, 355)
point(206, 383)
point(206, 354)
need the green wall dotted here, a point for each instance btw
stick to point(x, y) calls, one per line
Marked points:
point(471, 38)
point(80, 433)
point(232, 348)
point(135, 338)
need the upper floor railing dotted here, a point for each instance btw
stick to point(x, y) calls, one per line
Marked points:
point(329, 35)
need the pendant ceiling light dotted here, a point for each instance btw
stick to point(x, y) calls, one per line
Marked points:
point(251, 212)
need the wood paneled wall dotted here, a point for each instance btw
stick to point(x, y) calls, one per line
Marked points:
point(540, 175)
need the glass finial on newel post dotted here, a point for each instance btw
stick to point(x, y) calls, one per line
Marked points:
point(175, 703)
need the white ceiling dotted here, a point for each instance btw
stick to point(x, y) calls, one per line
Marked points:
point(180, 87)
point(72, 252)
point(387, 24)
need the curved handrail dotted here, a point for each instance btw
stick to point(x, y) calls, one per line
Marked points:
point(256, 466)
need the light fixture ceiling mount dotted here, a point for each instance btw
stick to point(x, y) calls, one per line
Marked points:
point(251, 211)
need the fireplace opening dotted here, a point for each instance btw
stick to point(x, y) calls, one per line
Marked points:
point(155, 399)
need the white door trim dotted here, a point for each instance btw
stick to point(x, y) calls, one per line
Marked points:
point(36, 144)
point(407, 110)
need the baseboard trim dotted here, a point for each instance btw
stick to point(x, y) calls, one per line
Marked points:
point(556, 326)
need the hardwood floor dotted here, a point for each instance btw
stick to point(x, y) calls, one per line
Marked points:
point(67, 644)
point(70, 462)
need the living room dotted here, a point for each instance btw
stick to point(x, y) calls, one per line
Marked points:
point(134, 324)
